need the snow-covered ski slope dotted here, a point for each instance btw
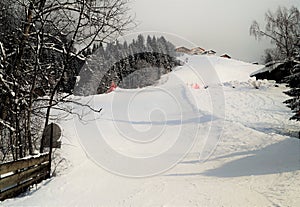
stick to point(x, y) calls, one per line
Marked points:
point(222, 144)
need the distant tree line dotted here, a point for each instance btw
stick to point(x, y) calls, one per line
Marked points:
point(129, 65)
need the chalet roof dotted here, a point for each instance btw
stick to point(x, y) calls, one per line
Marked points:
point(184, 48)
point(209, 52)
point(225, 55)
point(198, 48)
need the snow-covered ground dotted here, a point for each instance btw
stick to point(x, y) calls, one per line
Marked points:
point(222, 144)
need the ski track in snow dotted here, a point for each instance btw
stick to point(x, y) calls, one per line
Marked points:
point(256, 163)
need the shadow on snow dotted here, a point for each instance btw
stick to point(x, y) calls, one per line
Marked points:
point(277, 158)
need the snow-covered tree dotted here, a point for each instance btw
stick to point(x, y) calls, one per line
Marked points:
point(294, 83)
point(140, 43)
point(136, 64)
point(282, 28)
point(42, 47)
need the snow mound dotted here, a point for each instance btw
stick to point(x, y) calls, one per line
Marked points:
point(226, 69)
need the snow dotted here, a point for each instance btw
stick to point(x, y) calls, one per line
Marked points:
point(185, 149)
point(7, 125)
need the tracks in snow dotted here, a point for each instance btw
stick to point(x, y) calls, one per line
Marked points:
point(259, 110)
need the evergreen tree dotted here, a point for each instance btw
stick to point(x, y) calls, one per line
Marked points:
point(154, 44)
point(149, 43)
point(294, 83)
point(283, 30)
point(141, 43)
point(137, 64)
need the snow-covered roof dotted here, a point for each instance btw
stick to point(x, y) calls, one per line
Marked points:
point(183, 48)
point(225, 55)
point(269, 67)
point(198, 49)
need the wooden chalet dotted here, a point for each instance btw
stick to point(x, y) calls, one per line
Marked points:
point(197, 51)
point(183, 50)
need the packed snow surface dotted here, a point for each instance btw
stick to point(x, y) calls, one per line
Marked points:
point(252, 157)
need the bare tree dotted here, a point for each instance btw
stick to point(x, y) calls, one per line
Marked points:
point(282, 28)
point(40, 53)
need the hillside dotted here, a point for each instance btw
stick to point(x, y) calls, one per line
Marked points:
point(202, 136)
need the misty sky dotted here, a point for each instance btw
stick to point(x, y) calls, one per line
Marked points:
point(216, 24)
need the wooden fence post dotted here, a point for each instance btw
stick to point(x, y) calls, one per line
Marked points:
point(51, 148)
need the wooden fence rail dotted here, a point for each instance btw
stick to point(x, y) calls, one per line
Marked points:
point(17, 176)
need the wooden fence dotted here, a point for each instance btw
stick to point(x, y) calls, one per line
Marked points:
point(17, 176)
